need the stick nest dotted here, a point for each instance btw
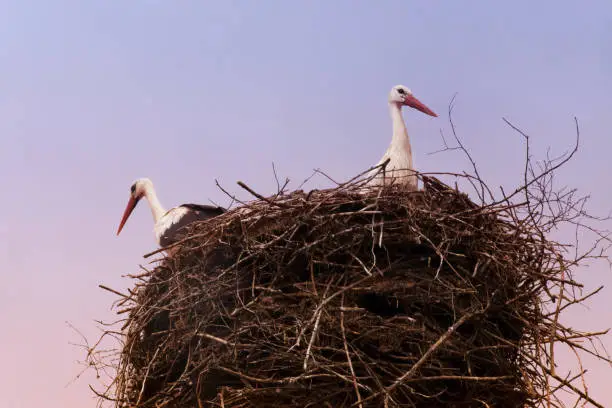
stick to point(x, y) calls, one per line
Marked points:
point(338, 298)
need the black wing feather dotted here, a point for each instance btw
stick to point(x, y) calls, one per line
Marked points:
point(211, 210)
point(197, 213)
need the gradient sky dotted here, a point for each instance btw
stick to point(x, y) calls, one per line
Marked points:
point(94, 94)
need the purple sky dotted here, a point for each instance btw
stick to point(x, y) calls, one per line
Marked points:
point(95, 94)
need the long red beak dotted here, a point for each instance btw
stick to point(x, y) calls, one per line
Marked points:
point(128, 210)
point(418, 105)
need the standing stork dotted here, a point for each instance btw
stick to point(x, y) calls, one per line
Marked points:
point(399, 169)
point(168, 224)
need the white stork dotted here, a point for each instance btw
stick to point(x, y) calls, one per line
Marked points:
point(400, 168)
point(168, 224)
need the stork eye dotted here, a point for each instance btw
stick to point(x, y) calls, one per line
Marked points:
point(133, 188)
point(401, 91)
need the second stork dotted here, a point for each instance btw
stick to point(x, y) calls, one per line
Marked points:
point(168, 224)
point(400, 168)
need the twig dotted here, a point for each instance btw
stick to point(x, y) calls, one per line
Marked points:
point(348, 355)
point(259, 196)
point(113, 291)
point(431, 350)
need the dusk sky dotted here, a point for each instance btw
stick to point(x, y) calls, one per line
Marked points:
point(94, 94)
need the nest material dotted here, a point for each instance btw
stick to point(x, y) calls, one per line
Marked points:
point(338, 299)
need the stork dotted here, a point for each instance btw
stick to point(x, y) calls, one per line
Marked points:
point(400, 168)
point(168, 224)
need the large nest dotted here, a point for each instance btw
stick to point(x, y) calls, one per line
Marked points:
point(381, 298)
point(338, 298)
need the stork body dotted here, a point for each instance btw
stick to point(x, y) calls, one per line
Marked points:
point(400, 168)
point(168, 224)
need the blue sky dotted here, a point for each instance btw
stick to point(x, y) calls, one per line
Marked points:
point(95, 94)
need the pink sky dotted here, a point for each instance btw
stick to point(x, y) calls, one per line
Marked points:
point(96, 94)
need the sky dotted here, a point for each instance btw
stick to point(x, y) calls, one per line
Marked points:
point(96, 94)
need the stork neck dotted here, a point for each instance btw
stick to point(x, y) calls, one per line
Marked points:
point(156, 208)
point(400, 133)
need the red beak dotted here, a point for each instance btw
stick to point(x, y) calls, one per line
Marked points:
point(418, 105)
point(128, 210)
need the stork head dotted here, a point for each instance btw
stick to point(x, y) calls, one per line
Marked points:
point(137, 191)
point(401, 95)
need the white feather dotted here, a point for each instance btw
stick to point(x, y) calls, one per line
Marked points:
point(168, 220)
